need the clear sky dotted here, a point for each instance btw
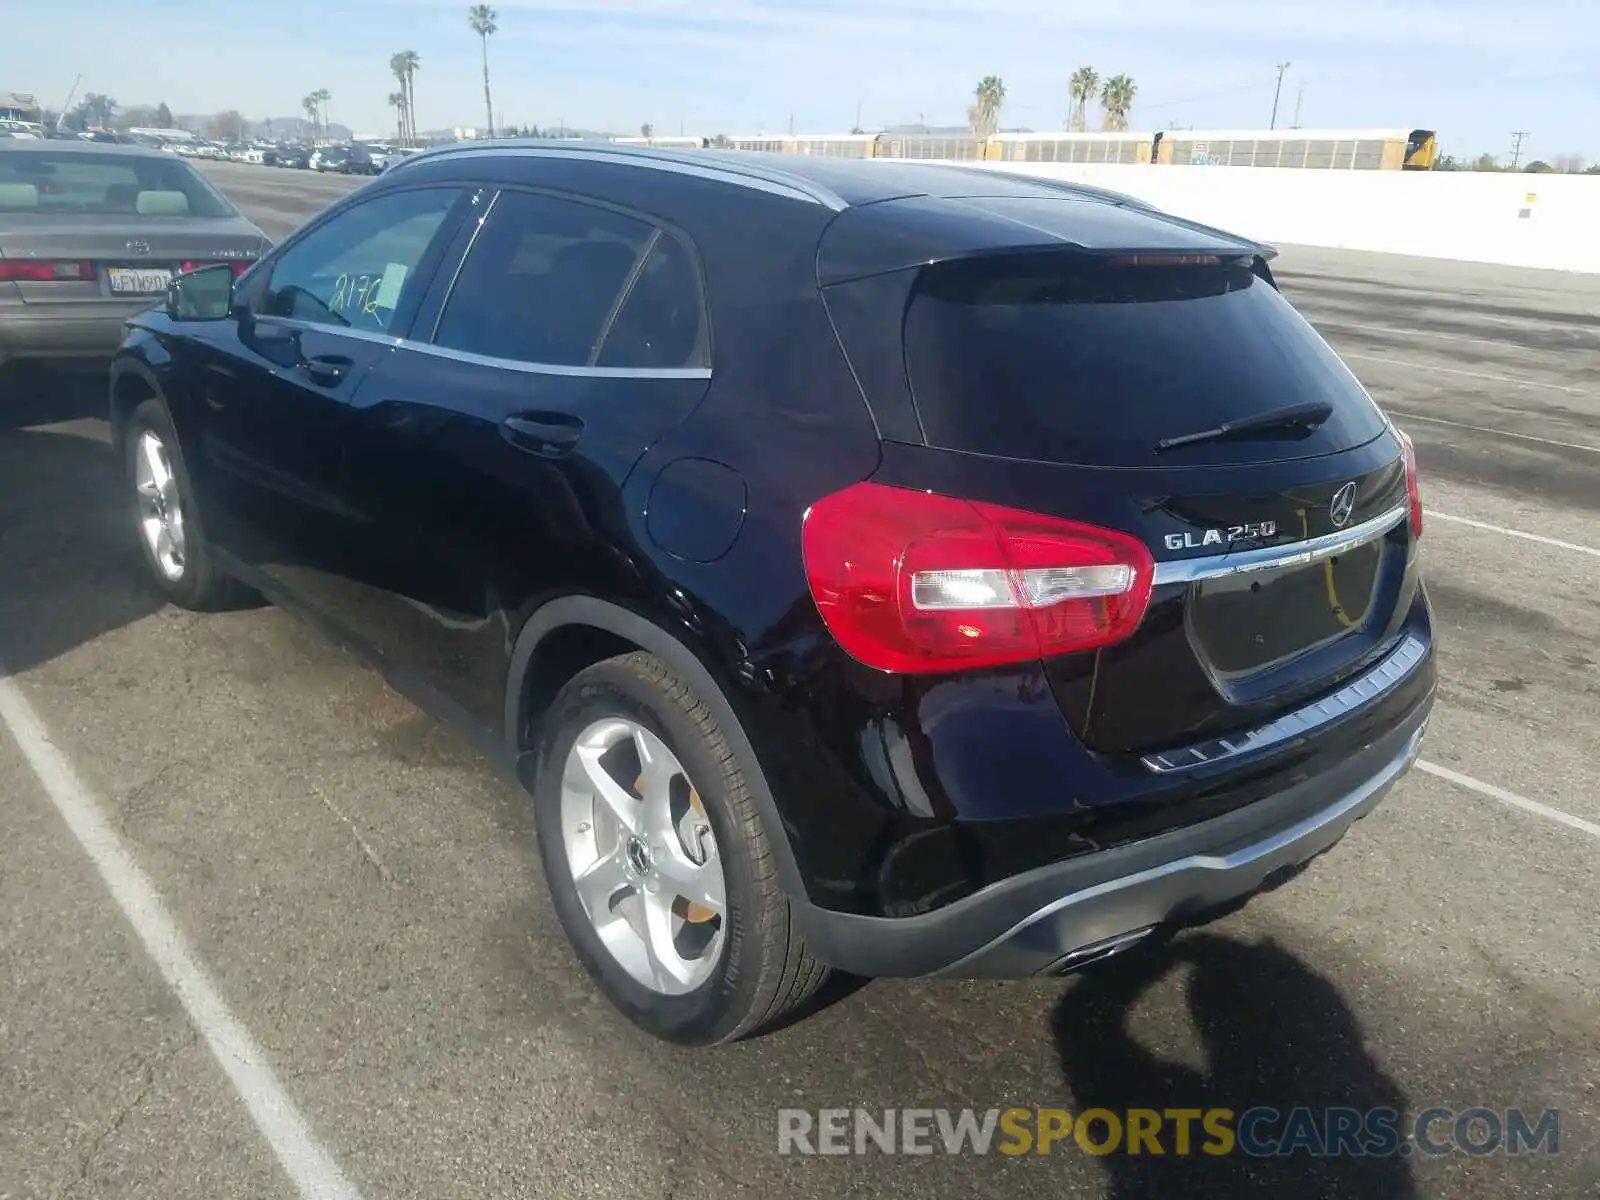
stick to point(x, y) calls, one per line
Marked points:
point(1473, 69)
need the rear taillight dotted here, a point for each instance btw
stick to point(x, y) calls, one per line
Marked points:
point(1408, 453)
point(15, 270)
point(911, 582)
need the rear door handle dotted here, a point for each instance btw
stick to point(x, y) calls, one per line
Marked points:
point(327, 369)
point(545, 433)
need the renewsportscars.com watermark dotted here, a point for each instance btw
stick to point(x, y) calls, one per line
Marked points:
point(1258, 1132)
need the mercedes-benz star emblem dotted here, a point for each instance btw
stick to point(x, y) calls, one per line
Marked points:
point(1344, 503)
point(135, 246)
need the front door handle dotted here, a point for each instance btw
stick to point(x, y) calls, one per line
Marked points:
point(545, 433)
point(328, 370)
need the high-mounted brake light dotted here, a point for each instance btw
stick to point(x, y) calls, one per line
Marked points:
point(912, 582)
point(1164, 260)
point(16, 270)
point(1408, 454)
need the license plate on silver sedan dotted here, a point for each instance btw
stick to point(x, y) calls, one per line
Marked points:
point(138, 281)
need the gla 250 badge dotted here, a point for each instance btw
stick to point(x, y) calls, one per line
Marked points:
point(1340, 510)
point(1250, 531)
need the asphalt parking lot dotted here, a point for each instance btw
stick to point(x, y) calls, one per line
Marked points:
point(363, 895)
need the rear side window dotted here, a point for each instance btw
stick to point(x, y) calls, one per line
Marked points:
point(1071, 361)
point(543, 280)
point(39, 183)
point(661, 324)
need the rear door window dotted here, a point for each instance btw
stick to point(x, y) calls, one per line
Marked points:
point(543, 281)
point(1063, 359)
point(661, 324)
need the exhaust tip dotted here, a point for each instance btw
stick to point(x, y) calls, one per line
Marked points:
point(1097, 951)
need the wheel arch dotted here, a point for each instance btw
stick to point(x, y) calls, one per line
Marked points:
point(131, 384)
point(610, 626)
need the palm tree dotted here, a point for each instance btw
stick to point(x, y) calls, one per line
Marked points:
point(399, 65)
point(1116, 98)
point(482, 18)
point(984, 116)
point(647, 131)
point(322, 96)
point(309, 103)
point(1081, 88)
point(405, 65)
point(397, 101)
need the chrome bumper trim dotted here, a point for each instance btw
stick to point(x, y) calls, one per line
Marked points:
point(1389, 672)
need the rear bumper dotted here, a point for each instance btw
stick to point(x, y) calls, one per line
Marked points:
point(1058, 917)
point(51, 333)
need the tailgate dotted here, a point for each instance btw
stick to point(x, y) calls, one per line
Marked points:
point(1178, 398)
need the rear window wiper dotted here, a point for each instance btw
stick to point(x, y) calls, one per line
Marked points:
point(1292, 416)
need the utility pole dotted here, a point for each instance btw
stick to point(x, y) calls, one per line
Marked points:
point(791, 124)
point(1282, 67)
point(1516, 146)
point(1298, 100)
point(858, 114)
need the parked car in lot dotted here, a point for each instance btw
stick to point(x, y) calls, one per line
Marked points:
point(346, 160)
point(874, 566)
point(91, 233)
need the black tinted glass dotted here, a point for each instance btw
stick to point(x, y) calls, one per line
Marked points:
point(661, 325)
point(34, 182)
point(1069, 361)
point(541, 280)
point(354, 271)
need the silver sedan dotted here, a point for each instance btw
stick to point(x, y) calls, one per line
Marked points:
point(92, 233)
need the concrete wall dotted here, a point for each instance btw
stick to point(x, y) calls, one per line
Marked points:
point(1518, 220)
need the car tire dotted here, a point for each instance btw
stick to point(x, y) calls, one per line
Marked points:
point(190, 578)
point(761, 969)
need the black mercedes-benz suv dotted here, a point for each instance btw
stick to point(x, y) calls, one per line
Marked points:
point(894, 568)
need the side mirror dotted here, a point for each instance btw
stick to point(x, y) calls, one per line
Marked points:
point(202, 295)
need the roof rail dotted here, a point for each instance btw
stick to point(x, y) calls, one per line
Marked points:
point(701, 163)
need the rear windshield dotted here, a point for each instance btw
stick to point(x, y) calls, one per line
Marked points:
point(64, 182)
point(1065, 360)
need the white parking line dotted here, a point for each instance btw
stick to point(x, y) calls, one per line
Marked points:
point(1484, 375)
point(1516, 533)
point(1526, 437)
point(1334, 320)
point(1511, 798)
point(313, 1171)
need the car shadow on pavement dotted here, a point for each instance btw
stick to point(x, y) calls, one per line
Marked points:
point(69, 566)
point(1273, 1033)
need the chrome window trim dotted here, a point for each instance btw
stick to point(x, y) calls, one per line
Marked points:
point(798, 190)
point(529, 368)
point(1266, 558)
point(484, 360)
point(1375, 682)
